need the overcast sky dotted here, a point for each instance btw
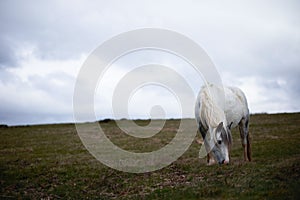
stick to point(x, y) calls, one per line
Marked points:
point(255, 45)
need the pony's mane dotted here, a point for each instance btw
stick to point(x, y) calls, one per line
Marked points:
point(210, 110)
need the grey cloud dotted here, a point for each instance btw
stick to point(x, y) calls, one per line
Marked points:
point(59, 85)
point(245, 40)
point(13, 116)
point(7, 54)
point(40, 99)
point(293, 88)
point(55, 29)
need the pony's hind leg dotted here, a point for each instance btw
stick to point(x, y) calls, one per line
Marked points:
point(249, 154)
point(246, 142)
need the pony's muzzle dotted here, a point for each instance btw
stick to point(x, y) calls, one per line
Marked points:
point(221, 162)
point(224, 162)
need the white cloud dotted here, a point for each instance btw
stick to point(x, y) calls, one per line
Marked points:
point(144, 98)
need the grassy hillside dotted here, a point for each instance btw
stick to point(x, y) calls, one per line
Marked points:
point(49, 161)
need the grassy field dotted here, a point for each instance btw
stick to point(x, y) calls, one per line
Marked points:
point(50, 162)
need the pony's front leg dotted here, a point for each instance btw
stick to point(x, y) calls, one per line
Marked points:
point(210, 159)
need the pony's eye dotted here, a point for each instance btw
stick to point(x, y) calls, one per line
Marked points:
point(219, 141)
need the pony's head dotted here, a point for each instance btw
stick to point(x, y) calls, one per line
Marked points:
point(221, 143)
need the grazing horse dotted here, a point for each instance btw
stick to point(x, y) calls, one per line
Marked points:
point(215, 122)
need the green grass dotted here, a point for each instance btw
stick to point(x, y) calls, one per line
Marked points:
point(49, 161)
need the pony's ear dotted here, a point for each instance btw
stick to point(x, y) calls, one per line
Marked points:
point(218, 132)
point(229, 126)
point(220, 127)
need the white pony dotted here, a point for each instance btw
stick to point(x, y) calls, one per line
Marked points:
point(215, 122)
